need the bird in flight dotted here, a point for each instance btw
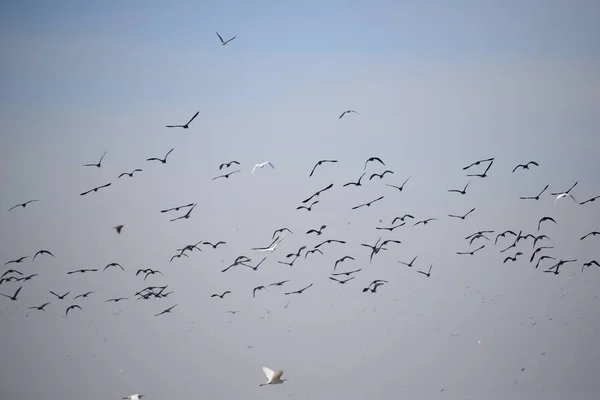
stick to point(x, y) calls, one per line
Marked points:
point(114, 264)
point(471, 252)
point(348, 112)
point(380, 176)
point(261, 165)
point(401, 187)
point(562, 195)
point(566, 191)
point(525, 166)
point(221, 295)
point(214, 246)
point(272, 376)
point(162, 160)
point(590, 200)
point(425, 221)
point(464, 191)
point(355, 183)
point(187, 125)
point(484, 172)
point(545, 219)
point(59, 297)
point(462, 216)
point(341, 281)
point(118, 228)
point(17, 261)
point(227, 165)
point(477, 163)
point(83, 295)
point(342, 260)
point(116, 300)
point(514, 258)
point(428, 273)
point(371, 159)
point(82, 271)
point(226, 175)
point(318, 232)
point(186, 215)
point(167, 311)
point(410, 264)
point(535, 197)
point(95, 189)
point(367, 204)
point(258, 288)
point(299, 291)
point(317, 193)
point(318, 164)
point(309, 208)
point(22, 204)
point(594, 233)
point(224, 42)
point(39, 308)
point(41, 252)
point(74, 306)
point(14, 296)
point(280, 230)
point(272, 246)
point(130, 174)
point(98, 165)
point(177, 208)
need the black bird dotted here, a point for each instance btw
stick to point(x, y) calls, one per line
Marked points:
point(543, 258)
point(462, 216)
point(402, 218)
point(60, 297)
point(342, 260)
point(223, 43)
point(17, 261)
point(82, 271)
point(319, 163)
point(479, 233)
point(309, 208)
point(367, 204)
point(329, 241)
point(118, 228)
point(373, 159)
point(27, 278)
point(167, 311)
point(389, 241)
point(589, 264)
point(178, 256)
point(130, 174)
point(280, 230)
point(296, 254)
point(428, 273)
point(341, 281)
point(258, 288)
point(541, 237)
point(214, 246)
point(14, 296)
point(227, 165)
point(186, 125)
point(380, 176)
point(187, 215)
point(221, 295)
point(347, 273)
point(255, 267)
point(177, 208)
point(116, 300)
point(375, 284)
point(355, 183)
point(11, 271)
point(39, 308)
point(72, 308)
point(114, 265)
point(471, 252)
point(567, 192)
point(226, 176)
point(464, 191)
point(514, 258)
point(347, 112)
point(401, 187)
point(277, 283)
point(318, 232)
point(503, 234)
point(22, 204)
point(410, 264)
point(95, 189)
point(538, 250)
point(291, 264)
point(590, 200)
point(9, 279)
point(299, 291)
point(312, 251)
point(162, 160)
point(594, 233)
point(83, 295)
point(317, 193)
point(545, 219)
point(425, 221)
point(484, 172)
point(477, 163)
point(535, 197)
point(148, 272)
point(525, 166)
point(391, 228)
point(98, 165)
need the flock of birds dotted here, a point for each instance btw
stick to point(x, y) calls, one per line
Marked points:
point(477, 241)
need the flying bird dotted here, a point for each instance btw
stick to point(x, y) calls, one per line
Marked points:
point(59, 297)
point(503, 234)
point(391, 228)
point(348, 112)
point(81, 271)
point(17, 261)
point(14, 296)
point(462, 216)
point(380, 176)
point(22, 204)
point(410, 264)
point(186, 215)
point(535, 197)
point(130, 174)
point(167, 311)
point(162, 160)
point(272, 376)
point(98, 165)
point(317, 193)
point(220, 295)
point(280, 230)
point(224, 42)
point(566, 191)
point(95, 189)
point(425, 221)
point(428, 273)
point(118, 228)
point(594, 233)
point(277, 283)
point(367, 204)
point(476, 163)
point(177, 208)
point(299, 291)
point(272, 246)
point(545, 219)
point(226, 175)
point(401, 187)
point(484, 172)
point(464, 191)
point(348, 273)
point(341, 281)
point(262, 165)
point(214, 246)
point(471, 252)
point(371, 159)
point(309, 208)
point(320, 163)
point(116, 300)
point(355, 183)
point(590, 200)
point(41, 252)
point(342, 260)
point(114, 264)
point(525, 166)
point(186, 126)
point(318, 232)
point(258, 288)
point(312, 252)
point(543, 258)
point(74, 306)
point(562, 195)
point(39, 308)
point(136, 396)
point(329, 241)
point(83, 295)
point(227, 165)
point(402, 218)
point(513, 259)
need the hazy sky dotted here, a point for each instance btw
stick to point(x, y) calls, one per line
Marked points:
point(437, 87)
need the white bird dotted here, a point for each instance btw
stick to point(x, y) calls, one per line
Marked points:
point(560, 196)
point(272, 376)
point(262, 165)
point(134, 396)
point(272, 247)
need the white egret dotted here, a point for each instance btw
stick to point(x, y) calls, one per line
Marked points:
point(560, 196)
point(272, 376)
point(262, 165)
point(272, 247)
point(136, 396)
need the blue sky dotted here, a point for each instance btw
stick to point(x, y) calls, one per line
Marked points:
point(437, 85)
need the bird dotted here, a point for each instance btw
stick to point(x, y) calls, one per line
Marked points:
point(484, 172)
point(329, 241)
point(391, 228)
point(341, 281)
point(462, 216)
point(317, 231)
point(14, 296)
point(41, 252)
point(136, 396)
point(130, 174)
point(27, 278)
point(536, 251)
point(535, 197)
point(11, 271)
point(401, 187)
point(317, 193)
point(82, 271)
point(525, 166)
point(545, 219)
point(226, 175)
point(371, 159)
point(280, 230)
point(60, 297)
point(464, 191)
point(425, 221)
point(177, 208)
point(566, 191)
point(348, 273)
point(186, 126)
point(471, 252)
point(148, 272)
point(221, 295)
point(476, 163)
point(118, 228)
point(503, 234)
point(95, 189)
point(357, 183)
point(428, 273)
point(214, 246)
point(299, 291)
point(277, 283)
point(74, 306)
point(348, 112)
point(224, 42)
point(296, 254)
point(116, 300)
point(114, 264)
point(589, 264)
point(590, 200)
point(228, 164)
point(367, 204)
point(83, 295)
point(22, 204)
point(39, 308)
point(167, 311)
point(272, 376)
point(374, 285)
point(320, 163)
point(410, 264)
point(562, 195)
point(17, 261)
point(342, 260)
point(312, 252)
point(272, 246)
point(309, 208)
point(162, 160)
point(257, 288)
point(380, 176)
point(514, 258)
point(593, 233)
point(98, 165)
point(261, 165)
point(186, 215)
point(233, 312)
point(543, 258)
point(402, 218)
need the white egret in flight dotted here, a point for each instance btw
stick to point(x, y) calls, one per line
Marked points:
point(262, 165)
point(272, 376)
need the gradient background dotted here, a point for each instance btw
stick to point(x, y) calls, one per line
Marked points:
point(437, 85)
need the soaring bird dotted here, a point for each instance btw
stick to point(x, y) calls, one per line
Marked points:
point(41, 252)
point(477, 163)
point(401, 187)
point(307, 208)
point(484, 172)
point(347, 112)
point(317, 193)
point(39, 308)
point(74, 306)
point(187, 125)
point(14, 296)
point(368, 204)
point(227, 175)
point(221, 295)
point(118, 228)
point(545, 219)
point(380, 176)
point(299, 291)
point(113, 264)
point(162, 160)
point(462, 216)
point(280, 230)
point(98, 164)
point(464, 191)
point(535, 197)
point(318, 164)
point(167, 311)
point(272, 376)
point(562, 195)
point(136, 396)
point(525, 166)
point(371, 159)
point(22, 204)
point(17, 261)
point(317, 231)
point(428, 273)
point(224, 42)
point(130, 174)
point(261, 165)
point(186, 215)
point(228, 164)
point(95, 189)
point(590, 200)
point(566, 191)
point(357, 183)
point(258, 288)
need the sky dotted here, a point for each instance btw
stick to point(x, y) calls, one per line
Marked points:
point(437, 86)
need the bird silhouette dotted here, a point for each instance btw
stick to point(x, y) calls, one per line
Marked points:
point(162, 160)
point(223, 42)
point(320, 163)
point(130, 174)
point(185, 126)
point(98, 164)
point(95, 189)
point(23, 205)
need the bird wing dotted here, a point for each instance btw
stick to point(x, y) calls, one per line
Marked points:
point(195, 115)
point(271, 164)
point(220, 38)
point(269, 373)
